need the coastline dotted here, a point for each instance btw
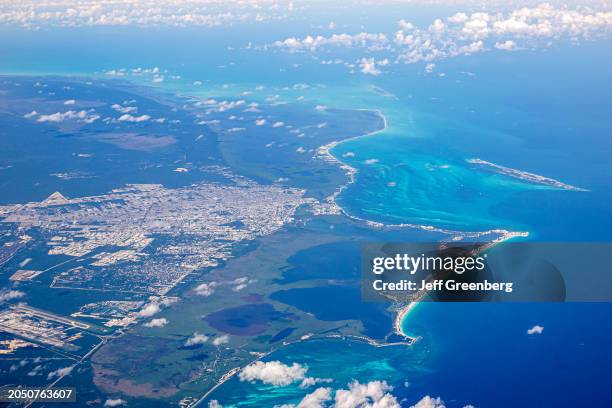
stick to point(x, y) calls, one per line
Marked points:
point(231, 373)
point(524, 175)
point(324, 153)
point(401, 315)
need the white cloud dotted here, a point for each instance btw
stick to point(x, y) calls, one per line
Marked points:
point(405, 25)
point(260, 122)
point(278, 124)
point(134, 119)
point(311, 43)
point(239, 287)
point(315, 399)
point(477, 26)
point(371, 161)
point(149, 310)
point(221, 340)
point(368, 66)
point(224, 105)
point(429, 402)
point(177, 13)
point(70, 102)
point(60, 372)
point(124, 109)
point(114, 72)
point(373, 394)
point(310, 381)
point(461, 34)
point(35, 371)
point(253, 107)
point(455, 18)
point(236, 285)
point(206, 289)
point(506, 45)
point(537, 329)
point(6, 295)
point(30, 115)
point(196, 339)
point(240, 283)
point(273, 372)
point(437, 26)
point(114, 402)
point(159, 322)
point(79, 116)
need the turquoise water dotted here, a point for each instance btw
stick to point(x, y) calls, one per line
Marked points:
point(468, 354)
point(340, 361)
point(415, 171)
point(537, 112)
point(480, 354)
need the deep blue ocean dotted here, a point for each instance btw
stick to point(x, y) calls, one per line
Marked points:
point(545, 112)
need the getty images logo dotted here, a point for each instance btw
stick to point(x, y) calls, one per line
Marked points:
point(412, 264)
